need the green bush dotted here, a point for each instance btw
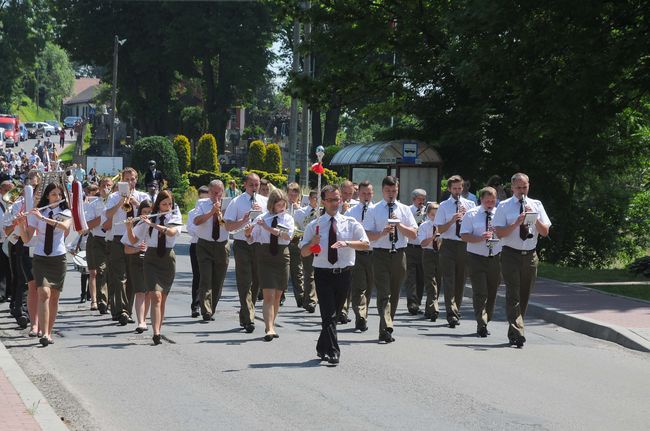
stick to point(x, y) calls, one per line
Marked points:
point(273, 160)
point(160, 149)
point(206, 154)
point(182, 147)
point(329, 177)
point(235, 173)
point(256, 156)
point(203, 178)
point(185, 195)
point(278, 180)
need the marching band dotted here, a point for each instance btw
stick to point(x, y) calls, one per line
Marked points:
point(333, 254)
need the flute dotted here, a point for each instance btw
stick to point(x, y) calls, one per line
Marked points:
point(51, 205)
point(140, 217)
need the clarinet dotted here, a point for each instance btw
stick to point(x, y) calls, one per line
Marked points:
point(392, 236)
point(528, 225)
point(490, 243)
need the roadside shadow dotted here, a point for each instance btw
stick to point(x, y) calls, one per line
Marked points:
point(481, 347)
point(207, 333)
point(110, 345)
point(311, 363)
point(232, 342)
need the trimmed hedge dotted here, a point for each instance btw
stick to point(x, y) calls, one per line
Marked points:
point(329, 177)
point(160, 149)
point(278, 180)
point(256, 156)
point(203, 178)
point(182, 147)
point(273, 161)
point(206, 154)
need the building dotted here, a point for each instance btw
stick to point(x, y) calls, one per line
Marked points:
point(81, 103)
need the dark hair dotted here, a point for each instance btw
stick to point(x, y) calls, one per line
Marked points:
point(330, 188)
point(161, 197)
point(364, 183)
point(144, 204)
point(44, 201)
point(454, 179)
point(389, 180)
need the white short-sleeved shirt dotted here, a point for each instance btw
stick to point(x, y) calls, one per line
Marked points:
point(418, 220)
point(263, 236)
point(446, 212)
point(506, 214)
point(120, 214)
point(94, 209)
point(347, 229)
point(306, 213)
point(427, 230)
point(474, 223)
point(125, 238)
point(240, 206)
point(377, 219)
point(190, 225)
point(357, 213)
point(58, 238)
point(3, 209)
point(141, 231)
point(204, 231)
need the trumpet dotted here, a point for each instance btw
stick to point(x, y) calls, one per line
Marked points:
point(13, 195)
point(140, 217)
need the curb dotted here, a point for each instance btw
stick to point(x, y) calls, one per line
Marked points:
point(31, 396)
point(584, 325)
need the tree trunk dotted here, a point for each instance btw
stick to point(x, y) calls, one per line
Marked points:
point(332, 117)
point(316, 130)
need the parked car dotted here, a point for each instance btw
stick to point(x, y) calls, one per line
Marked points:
point(69, 122)
point(23, 132)
point(55, 124)
point(45, 129)
point(32, 128)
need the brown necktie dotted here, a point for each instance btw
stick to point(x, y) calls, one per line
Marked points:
point(49, 236)
point(332, 253)
point(215, 227)
point(434, 244)
point(273, 243)
point(162, 240)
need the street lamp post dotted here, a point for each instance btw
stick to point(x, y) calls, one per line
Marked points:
point(116, 43)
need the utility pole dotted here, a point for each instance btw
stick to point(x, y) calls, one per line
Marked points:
point(306, 114)
point(293, 123)
point(114, 96)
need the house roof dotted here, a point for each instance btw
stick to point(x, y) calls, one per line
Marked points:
point(85, 96)
point(80, 85)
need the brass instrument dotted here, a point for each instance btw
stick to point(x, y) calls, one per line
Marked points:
point(13, 195)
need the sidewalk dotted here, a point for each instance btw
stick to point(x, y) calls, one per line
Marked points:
point(614, 318)
point(22, 406)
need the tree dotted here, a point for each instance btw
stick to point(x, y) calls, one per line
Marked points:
point(273, 159)
point(256, 156)
point(206, 154)
point(160, 149)
point(53, 76)
point(182, 147)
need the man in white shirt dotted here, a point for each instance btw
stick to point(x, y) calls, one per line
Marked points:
point(96, 245)
point(363, 279)
point(414, 284)
point(454, 249)
point(389, 225)
point(302, 218)
point(339, 236)
point(204, 193)
point(483, 261)
point(519, 258)
point(5, 270)
point(212, 251)
point(237, 216)
point(114, 213)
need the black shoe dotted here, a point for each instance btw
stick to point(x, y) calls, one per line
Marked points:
point(249, 328)
point(413, 311)
point(207, 317)
point(115, 318)
point(44, 341)
point(520, 341)
point(103, 309)
point(276, 336)
point(333, 359)
point(386, 336)
point(139, 330)
point(311, 308)
point(482, 332)
point(453, 322)
point(282, 299)
point(343, 319)
point(3, 299)
point(83, 298)
point(123, 319)
point(268, 337)
point(322, 356)
point(195, 312)
point(361, 324)
point(157, 340)
point(299, 303)
point(131, 320)
point(22, 321)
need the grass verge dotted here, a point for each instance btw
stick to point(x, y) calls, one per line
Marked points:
point(640, 291)
point(28, 111)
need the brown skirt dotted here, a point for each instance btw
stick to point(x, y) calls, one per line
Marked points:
point(272, 271)
point(159, 272)
point(49, 271)
point(135, 272)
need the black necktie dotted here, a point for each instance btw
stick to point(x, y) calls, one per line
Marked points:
point(457, 221)
point(435, 243)
point(49, 236)
point(390, 216)
point(523, 229)
point(215, 227)
point(488, 221)
point(273, 243)
point(160, 249)
point(363, 212)
point(332, 253)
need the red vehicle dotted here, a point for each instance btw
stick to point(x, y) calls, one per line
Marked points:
point(11, 125)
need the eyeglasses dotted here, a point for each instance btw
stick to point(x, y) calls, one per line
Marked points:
point(332, 200)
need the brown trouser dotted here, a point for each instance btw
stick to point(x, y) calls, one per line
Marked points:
point(363, 281)
point(389, 269)
point(485, 275)
point(431, 271)
point(309, 287)
point(452, 269)
point(414, 284)
point(96, 246)
point(246, 275)
point(119, 290)
point(519, 273)
point(212, 257)
point(295, 272)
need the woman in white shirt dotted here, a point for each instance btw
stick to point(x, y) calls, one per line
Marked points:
point(50, 225)
point(430, 242)
point(160, 233)
point(134, 250)
point(272, 232)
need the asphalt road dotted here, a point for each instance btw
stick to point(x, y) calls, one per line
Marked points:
point(100, 376)
point(31, 143)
